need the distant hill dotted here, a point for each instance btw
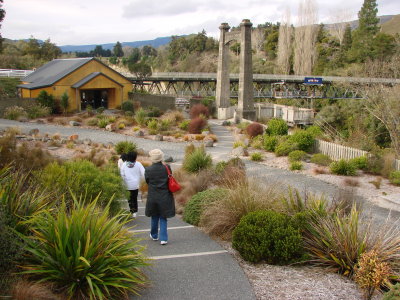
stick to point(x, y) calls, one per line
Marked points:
point(86, 48)
point(392, 26)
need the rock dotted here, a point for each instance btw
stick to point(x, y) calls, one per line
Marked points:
point(240, 151)
point(87, 141)
point(79, 142)
point(158, 137)
point(40, 121)
point(23, 119)
point(46, 139)
point(34, 131)
point(139, 133)
point(168, 158)
point(209, 143)
point(141, 152)
point(110, 127)
point(205, 132)
point(20, 137)
point(74, 123)
point(73, 137)
point(52, 148)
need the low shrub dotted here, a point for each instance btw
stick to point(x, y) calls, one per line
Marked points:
point(254, 129)
point(100, 110)
point(231, 173)
point(351, 182)
point(321, 159)
point(393, 293)
point(221, 217)
point(86, 252)
point(297, 155)
point(184, 125)
point(174, 117)
point(102, 123)
point(196, 204)
point(277, 127)
point(125, 147)
point(257, 142)
point(238, 144)
point(296, 165)
point(48, 100)
point(284, 148)
point(152, 124)
point(360, 163)
point(153, 112)
point(92, 122)
point(303, 139)
point(37, 111)
point(199, 110)
point(196, 125)
point(394, 177)
point(89, 181)
point(315, 131)
point(164, 125)
point(342, 167)
point(141, 117)
point(197, 160)
point(14, 112)
point(371, 273)
point(128, 106)
point(267, 236)
point(375, 164)
point(270, 142)
point(256, 156)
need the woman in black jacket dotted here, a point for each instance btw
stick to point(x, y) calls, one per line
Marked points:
point(160, 203)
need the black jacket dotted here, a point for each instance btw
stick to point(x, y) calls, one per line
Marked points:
point(160, 201)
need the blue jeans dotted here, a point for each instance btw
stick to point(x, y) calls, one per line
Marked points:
point(163, 228)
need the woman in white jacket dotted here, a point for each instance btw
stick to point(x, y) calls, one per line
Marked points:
point(132, 172)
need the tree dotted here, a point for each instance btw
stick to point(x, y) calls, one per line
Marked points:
point(347, 38)
point(363, 36)
point(117, 50)
point(149, 51)
point(141, 70)
point(64, 102)
point(49, 51)
point(305, 38)
point(284, 45)
point(32, 47)
point(2, 15)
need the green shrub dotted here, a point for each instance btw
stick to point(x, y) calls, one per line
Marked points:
point(360, 163)
point(394, 177)
point(393, 293)
point(125, 147)
point(100, 110)
point(127, 106)
point(321, 159)
point(277, 127)
point(152, 124)
point(14, 112)
point(197, 160)
point(141, 117)
point(315, 131)
point(85, 252)
point(270, 142)
point(153, 112)
point(237, 144)
point(37, 111)
point(46, 99)
point(102, 123)
point(256, 156)
point(220, 166)
point(88, 181)
point(196, 204)
point(375, 164)
point(243, 125)
point(164, 125)
point(129, 113)
point(64, 101)
point(296, 165)
point(285, 148)
point(303, 139)
point(267, 236)
point(93, 122)
point(342, 167)
point(184, 125)
point(297, 155)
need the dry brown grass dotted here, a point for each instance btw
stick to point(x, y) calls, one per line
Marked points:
point(377, 182)
point(213, 137)
point(320, 170)
point(199, 137)
point(221, 217)
point(174, 116)
point(351, 182)
point(27, 290)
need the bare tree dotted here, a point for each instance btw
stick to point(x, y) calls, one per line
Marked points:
point(305, 38)
point(258, 38)
point(339, 19)
point(284, 44)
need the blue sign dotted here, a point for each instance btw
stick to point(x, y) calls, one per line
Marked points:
point(313, 80)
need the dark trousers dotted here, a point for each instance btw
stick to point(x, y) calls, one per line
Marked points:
point(133, 194)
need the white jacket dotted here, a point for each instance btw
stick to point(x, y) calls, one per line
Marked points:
point(132, 173)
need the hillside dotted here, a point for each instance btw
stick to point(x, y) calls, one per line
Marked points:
point(392, 26)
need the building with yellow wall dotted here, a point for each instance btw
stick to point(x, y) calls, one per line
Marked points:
point(87, 81)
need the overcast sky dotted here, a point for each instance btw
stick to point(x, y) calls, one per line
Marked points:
point(76, 22)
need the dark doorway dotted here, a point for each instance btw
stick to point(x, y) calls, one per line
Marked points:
point(95, 98)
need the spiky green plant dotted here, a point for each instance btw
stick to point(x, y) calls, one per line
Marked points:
point(141, 117)
point(86, 253)
point(125, 147)
point(256, 156)
point(197, 160)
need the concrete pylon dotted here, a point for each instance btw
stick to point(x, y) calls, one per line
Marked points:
point(246, 103)
point(223, 93)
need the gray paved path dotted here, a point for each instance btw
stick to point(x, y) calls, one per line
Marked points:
point(192, 266)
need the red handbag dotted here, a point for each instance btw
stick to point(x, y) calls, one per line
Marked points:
point(173, 185)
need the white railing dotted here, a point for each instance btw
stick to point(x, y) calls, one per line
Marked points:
point(14, 73)
point(337, 152)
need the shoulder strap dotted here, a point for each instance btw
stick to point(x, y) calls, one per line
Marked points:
point(169, 172)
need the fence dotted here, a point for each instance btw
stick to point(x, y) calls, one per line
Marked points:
point(14, 73)
point(337, 152)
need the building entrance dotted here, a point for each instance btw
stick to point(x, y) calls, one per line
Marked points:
point(95, 98)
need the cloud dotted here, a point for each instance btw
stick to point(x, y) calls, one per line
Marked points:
point(139, 9)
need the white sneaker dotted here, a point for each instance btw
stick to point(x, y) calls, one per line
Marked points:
point(153, 238)
point(133, 215)
point(164, 242)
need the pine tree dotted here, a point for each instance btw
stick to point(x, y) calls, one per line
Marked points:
point(347, 39)
point(117, 50)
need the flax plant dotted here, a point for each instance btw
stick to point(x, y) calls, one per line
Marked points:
point(85, 253)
